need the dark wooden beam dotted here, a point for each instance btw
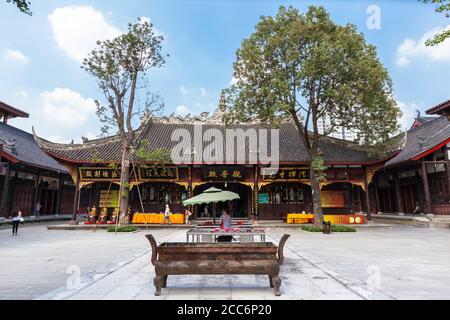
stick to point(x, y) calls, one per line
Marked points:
point(58, 197)
point(447, 160)
point(5, 193)
point(426, 188)
point(366, 185)
point(36, 194)
point(377, 195)
point(76, 196)
point(398, 195)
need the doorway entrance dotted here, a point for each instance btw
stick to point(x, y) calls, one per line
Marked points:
point(239, 208)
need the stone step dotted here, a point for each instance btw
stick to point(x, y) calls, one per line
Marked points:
point(441, 218)
point(421, 222)
point(440, 225)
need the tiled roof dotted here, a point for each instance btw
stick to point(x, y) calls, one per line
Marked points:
point(422, 139)
point(422, 120)
point(22, 146)
point(11, 111)
point(158, 135)
point(439, 108)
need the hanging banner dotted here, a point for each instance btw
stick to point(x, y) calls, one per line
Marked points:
point(223, 173)
point(286, 174)
point(158, 173)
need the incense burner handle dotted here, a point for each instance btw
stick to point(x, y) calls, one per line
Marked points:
point(281, 248)
point(154, 245)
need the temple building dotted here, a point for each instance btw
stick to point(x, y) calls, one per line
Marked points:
point(349, 172)
point(419, 174)
point(29, 175)
point(413, 177)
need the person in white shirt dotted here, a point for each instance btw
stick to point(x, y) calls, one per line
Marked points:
point(17, 219)
point(167, 215)
point(187, 214)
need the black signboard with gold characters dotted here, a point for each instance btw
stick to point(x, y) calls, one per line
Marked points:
point(100, 174)
point(286, 174)
point(223, 173)
point(158, 173)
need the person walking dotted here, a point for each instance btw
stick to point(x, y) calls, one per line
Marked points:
point(167, 215)
point(17, 219)
point(37, 209)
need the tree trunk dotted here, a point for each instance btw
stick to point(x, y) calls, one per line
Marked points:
point(124, 193)
point(314, 179)
point(316, 199)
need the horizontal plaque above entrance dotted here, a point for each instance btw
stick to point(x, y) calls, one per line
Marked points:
point(223, 173)
point(100, 174)
point(286, 174)
point(158, 173)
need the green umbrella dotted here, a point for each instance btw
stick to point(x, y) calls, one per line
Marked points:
point(212, 195)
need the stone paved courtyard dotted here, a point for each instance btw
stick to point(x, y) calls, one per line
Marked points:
point(374, 263)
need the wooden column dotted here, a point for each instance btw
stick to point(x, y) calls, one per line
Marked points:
point(360, 199)
point(36, 195)
point(5, 194)
point(76, 197)
point(447, 158)
point(58, 198)
point(377, 196)
point(255, 193)
point(366, 185)
point(398, 195)
point(190, 191)
point(426, 188)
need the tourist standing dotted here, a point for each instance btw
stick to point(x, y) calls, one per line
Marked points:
point(167, 215)
point(37, 209)
point(17, 219)
point(225, 220)
point(187, 214)
point(417, 209)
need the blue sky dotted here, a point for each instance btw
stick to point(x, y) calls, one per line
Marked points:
point(40, 55)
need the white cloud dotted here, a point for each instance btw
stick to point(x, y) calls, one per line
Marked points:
point(203, 92)
point(16, 56)
point(66, 107)
point(409, 113)
point(22, 94)
point(90, 136)
point(58, 139)
point(184, 90)
point(182, 110)
point(76, 29)
point(411, 49)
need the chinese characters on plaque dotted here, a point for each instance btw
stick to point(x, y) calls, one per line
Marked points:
point(222, 173)
point(287, 174)
point(100, 174)
point(145, 173)
point(158, 173)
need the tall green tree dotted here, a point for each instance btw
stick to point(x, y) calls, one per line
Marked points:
point(442, 6)
point(304, 67)
point(22, 5)
point(121, 67)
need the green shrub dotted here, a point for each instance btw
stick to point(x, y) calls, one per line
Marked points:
point(122, 229)
point(334, 228)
